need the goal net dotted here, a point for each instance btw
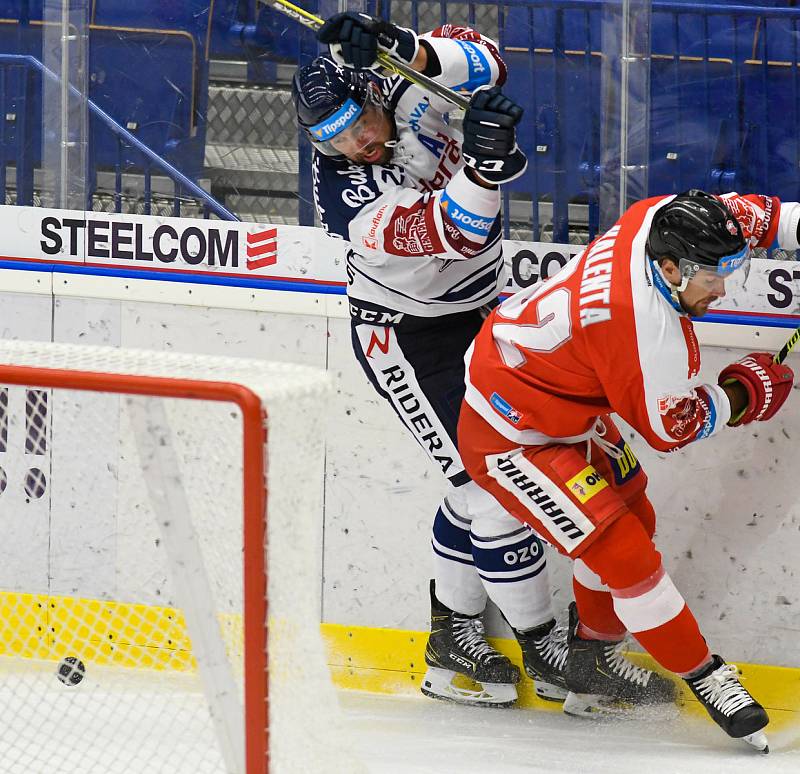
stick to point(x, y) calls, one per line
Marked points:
point(139, 610)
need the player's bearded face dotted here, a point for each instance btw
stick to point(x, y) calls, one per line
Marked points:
point(365, 142)
point(703, 290)
point(700, 288)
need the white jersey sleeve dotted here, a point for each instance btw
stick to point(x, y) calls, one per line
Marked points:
point(370, 207)
point(468, 61)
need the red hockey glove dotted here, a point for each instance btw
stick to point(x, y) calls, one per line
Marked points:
point(767, 384)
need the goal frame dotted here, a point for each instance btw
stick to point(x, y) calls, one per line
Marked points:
point(254, 531)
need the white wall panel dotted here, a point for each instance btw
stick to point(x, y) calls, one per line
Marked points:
point(229, 332)
point(24, 561)
point(26, 315)
point(380, 499)
point(86, 461)
point(90, 521)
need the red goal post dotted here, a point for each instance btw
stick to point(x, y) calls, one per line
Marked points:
point(273, 401)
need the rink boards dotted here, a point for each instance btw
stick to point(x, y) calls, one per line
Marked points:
point(728, 510)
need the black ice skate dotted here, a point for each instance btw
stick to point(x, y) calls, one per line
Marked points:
point(457, 646)
point(544, 655)
point(733, 709)
point(602, 682)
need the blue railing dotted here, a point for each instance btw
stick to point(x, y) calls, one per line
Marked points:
point(24, 169)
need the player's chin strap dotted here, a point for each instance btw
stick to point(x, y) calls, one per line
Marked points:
point(668, 290)
point(400, 154)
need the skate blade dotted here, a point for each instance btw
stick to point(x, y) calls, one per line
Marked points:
point(757, 740)
point(599, 707)
point(447, 685)
point(549, 692)
point(595, 707)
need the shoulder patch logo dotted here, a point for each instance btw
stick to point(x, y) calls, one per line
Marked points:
point(505, 408)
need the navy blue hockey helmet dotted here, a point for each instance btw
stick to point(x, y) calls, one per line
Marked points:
point(336, 106)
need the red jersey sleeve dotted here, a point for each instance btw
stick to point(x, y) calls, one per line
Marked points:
point(758, 216)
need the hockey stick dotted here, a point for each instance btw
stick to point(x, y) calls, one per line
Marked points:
point(400, 68)
point(787, 347)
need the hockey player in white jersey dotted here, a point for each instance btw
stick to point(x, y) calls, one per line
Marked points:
point(419, 206)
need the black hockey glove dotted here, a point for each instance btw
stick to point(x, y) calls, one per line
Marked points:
point(490, 137)
point(355, 39)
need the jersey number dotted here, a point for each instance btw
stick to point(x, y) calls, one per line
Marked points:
point(552, 329)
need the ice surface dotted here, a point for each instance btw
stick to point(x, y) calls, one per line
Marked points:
point(405, 734)
point(114, 721)
point(393, 735)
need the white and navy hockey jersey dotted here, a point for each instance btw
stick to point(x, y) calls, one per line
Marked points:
point(424, 239)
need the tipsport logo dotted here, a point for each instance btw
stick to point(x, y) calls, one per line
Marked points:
point(477, 66)
point(344, 117)
point(729, 265)
point(465, 220)
point(505, 408)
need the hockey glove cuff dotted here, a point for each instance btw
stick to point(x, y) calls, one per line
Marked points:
point(497, 171)
point(490, 137)
point(767, 384)
point(355, 39)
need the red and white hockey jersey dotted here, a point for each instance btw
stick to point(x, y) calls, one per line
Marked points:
point(600, 337)
point(424, 239)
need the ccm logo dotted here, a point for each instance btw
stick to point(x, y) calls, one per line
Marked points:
point(262, 248)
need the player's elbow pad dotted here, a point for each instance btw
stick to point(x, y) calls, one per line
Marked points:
point(789, 226)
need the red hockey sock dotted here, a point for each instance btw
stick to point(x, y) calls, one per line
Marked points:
point(645, 599)
point(598, 621)
point(678, 644)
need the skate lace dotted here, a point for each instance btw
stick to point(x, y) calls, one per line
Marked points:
point(723, 690)
point(553, 647)
point(469, 633)
point(627, 670)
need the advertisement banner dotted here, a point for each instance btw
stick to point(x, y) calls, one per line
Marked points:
point(291, 258)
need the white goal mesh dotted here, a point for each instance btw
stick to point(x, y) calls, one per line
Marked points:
point(123, 561)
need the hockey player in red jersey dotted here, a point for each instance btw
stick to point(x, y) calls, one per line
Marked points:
point(418, 202)
point(611, 332)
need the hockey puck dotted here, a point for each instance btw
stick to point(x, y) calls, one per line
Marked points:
point(70, 670)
